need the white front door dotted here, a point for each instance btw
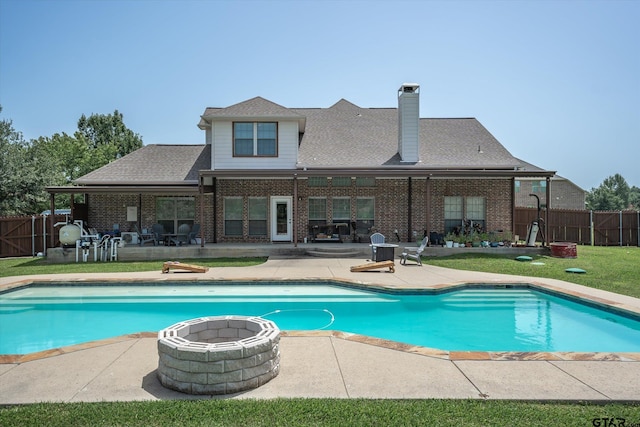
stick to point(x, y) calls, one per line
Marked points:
point(281, 221)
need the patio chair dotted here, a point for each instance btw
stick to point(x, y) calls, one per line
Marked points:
point(182, 236)
point(414, 252)
point(104, 248)
point(193, 234)
point(158, 232)
point(145, 237)
point(376, 239)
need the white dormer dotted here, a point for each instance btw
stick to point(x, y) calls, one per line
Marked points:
point(254, 134)
point(408, 122)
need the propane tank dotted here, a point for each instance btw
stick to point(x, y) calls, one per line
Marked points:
point(69, 234)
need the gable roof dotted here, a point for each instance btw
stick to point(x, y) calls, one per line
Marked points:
point(153, 165)
point(252, 109)
point(345, 135)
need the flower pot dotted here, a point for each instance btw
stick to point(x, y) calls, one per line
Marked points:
point(449, 243)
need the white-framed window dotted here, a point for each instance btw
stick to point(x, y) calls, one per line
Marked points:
point(255, 139)
point(257, 216)
point(341, 209)
point(233, 216)
point(317, 211)
point(517, 186)
point(452, 213)
point(172, 212)
point(475, 210)
point(458, 208)
point(365, 214)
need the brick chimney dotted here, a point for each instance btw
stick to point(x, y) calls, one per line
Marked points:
point(408, 122)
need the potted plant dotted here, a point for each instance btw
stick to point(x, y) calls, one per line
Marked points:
point(448, 240)
point(476, 240)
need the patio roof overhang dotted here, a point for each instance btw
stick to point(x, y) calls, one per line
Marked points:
point(382, 172)
point(135, 189)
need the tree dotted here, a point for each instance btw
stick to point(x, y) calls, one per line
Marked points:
point(19, 181)
point(27, 168)
point(634, 197)
point(613, 194)
point(107, 137)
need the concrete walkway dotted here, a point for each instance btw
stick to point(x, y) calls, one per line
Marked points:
point(334, 364)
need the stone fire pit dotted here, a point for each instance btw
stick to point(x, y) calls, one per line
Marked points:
point(218, 355)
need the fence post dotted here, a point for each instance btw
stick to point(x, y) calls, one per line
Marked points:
point(620, 227)
point(591, 231)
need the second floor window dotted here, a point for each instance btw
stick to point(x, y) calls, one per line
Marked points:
point(255, 139)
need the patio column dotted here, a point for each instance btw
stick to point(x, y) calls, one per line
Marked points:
point(295, 210)
point(52, 220)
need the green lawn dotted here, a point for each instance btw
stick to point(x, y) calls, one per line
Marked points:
point(319, 412)
point(26, 266)
point(615, 269)
point(611, 268)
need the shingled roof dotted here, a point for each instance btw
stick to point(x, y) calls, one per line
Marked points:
point(342, 136)
point(153, 165)
point(345, 135)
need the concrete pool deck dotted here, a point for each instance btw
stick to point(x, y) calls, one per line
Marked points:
point(332, 364)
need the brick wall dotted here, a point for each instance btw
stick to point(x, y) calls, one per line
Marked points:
point(391, 205)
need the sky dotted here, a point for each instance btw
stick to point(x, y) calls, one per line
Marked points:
point(556, 82)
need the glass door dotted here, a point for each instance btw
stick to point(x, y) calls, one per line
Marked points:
point(281, 220)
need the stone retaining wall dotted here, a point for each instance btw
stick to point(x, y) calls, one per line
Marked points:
point(218, 355)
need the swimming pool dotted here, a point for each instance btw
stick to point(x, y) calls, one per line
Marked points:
point(478, 318)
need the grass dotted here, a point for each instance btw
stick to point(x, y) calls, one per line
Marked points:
point(28, 266)
point(318, 412)
point(615, 269)
point(610, 268)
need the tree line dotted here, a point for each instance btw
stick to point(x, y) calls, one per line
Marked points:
point(614, 194)
point(28, 167)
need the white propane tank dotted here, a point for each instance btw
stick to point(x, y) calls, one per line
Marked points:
point(69, 234)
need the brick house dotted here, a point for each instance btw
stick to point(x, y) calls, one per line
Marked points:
point(269, 173)
point(564, 194)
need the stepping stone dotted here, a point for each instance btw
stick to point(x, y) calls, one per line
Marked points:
point(575, 270)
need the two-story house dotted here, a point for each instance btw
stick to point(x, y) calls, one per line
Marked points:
point(268, 173)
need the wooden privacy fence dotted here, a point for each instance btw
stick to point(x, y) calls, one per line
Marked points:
point(599, 228)
point(25, 235)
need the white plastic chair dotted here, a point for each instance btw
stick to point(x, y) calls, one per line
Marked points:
point(376, 239)
point(414, 252)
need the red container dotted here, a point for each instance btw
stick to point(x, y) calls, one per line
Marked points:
point(564, 250)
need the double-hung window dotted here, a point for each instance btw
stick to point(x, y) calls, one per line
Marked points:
point(364, 214)
point(233, 216)
point(172, 212)
point(255, 139)
point(317, 211)
point(457, 209)
point(257, 216)
point(341, 209)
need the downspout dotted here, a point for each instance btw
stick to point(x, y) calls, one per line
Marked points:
point(546, 213)
point(428, 205)
point(202, 222)
point(295, 210)
point(215, 210)
point(513, 209)
point(409, 213)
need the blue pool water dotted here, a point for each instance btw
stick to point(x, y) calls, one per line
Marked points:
point(483, 319)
